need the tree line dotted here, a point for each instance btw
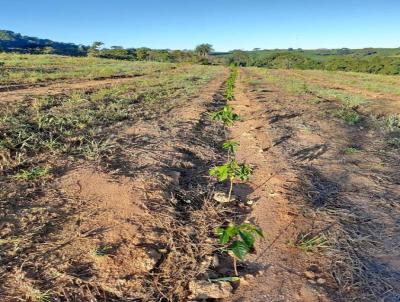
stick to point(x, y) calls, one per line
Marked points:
point(14, 42)
point(201, 54)
point(375, 63)
point(370, 60)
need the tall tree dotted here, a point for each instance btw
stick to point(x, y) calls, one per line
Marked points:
point(204, 49)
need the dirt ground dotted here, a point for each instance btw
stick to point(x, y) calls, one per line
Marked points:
point(305, 183)
point(139, 224)
point(116, 230)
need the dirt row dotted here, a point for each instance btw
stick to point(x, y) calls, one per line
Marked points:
point(306, 184)
point(134, 225)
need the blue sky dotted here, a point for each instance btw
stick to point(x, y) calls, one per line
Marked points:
point(235, 24)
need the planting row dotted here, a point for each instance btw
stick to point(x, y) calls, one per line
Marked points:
point(236, 239)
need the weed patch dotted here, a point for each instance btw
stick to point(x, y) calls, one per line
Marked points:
point(351, 150)
point(32, 174)
point(350, 116)
point(310, 243)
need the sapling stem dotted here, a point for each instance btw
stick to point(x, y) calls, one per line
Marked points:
point(230, 189)
point(235, 266)
point(238, 241)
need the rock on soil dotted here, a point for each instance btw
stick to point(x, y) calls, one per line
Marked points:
point(309, 274)
point(221, 197)
point(202, 290)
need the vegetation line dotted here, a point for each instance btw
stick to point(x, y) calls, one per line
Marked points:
point(236, 240)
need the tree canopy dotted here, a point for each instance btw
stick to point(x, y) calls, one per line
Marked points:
point(204, 49)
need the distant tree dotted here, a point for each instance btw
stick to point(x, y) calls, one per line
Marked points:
point(204, 49)
point(182, 56)
point(83, 49)
point(256, 49)
point(142, 53)
point(118, 53)
point(158, 55)
point(94, 49)
point(239, 58)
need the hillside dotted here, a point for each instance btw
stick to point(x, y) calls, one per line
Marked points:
point(15, 42)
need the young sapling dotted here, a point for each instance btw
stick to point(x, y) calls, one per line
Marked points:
point(231, 147)
point(239, 240)
point(230, 171)
point(226, 116)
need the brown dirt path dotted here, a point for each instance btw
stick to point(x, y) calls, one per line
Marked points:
point(281, 265)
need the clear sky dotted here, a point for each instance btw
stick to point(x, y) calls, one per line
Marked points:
point(234, 24)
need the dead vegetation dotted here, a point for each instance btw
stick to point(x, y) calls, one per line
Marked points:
point(352, 199)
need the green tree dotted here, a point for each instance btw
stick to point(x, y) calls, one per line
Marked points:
point(94, 49)
point(239, 58)
point(204, 50)
point(142, 53)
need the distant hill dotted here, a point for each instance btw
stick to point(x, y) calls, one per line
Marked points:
point(11, 41)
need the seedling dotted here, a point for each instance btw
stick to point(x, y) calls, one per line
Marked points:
point(226, 116)
point(230, 171)
point(230, 84)
point(239, 240)
point(231, 147)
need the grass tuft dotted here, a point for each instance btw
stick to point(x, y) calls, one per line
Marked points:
point(33, 174)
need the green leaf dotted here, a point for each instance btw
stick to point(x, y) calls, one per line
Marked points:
point(239, 249)
point(227, 233)
point(230, 146)
point(259, 231)
point(251, 228)
point(243, 171)
point(221, 172)
point(247, 238)
point(225, 279)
